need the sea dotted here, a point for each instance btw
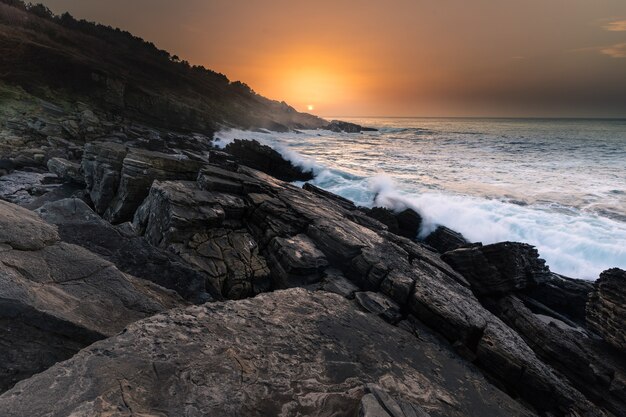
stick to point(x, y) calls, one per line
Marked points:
point(558, 184)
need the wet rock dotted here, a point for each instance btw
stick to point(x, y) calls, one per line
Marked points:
point(347, 127)
point(343, 202)
point(409, 222)
point(499, 268)
point(261, 157)
point(56, 298)
point(405, 223)
point(564, 295)
point(444, 239)
point(386, 217)
point(606, 308)
point(78, 224)
point(311, 353)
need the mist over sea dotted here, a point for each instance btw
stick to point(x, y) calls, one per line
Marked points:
point(559, 184)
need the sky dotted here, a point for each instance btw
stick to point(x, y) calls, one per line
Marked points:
point(501, 58)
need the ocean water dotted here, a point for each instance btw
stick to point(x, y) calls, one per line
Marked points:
point(557, 184)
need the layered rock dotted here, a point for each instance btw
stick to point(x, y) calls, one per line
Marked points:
point(119, 179)
point(78, 224)
point(499, 268)
point(445, 239)
point(56, 298)
point(347, 127)
point(405, 223)
point(67, 170)
point(289, 352)
point(204, 228)
point(606, 308)
point(251, 153)
point(563, 295)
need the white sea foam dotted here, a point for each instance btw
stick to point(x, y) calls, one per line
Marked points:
point(574, 241)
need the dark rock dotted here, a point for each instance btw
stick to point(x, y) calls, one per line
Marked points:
point(296, 261)
point(347, 127)
point(444, 239)
point(252, 154)
point(334, 281)
point(194, 224)
point(139, 169)
point(386, 217)
point(56, 298)
point(378, 403)
point(593, 370)
point(6, 166)
point(67, 170)
point(78, 224)
point(343, 202)
point(102, 166)
point(564, 295)
point(606, 308)
point(409, 222)
point(499, 268)
point(311, 353)
point(379, 304)
point(405, 223)
point(119, 179)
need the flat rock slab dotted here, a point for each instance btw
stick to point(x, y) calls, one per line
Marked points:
point(288, 353)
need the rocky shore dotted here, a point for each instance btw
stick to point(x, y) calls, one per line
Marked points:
point(145, 272)
point(304, 303)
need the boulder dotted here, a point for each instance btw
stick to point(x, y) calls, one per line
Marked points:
point(119, 179)
point(405, 223)
point(593, 369)
point(564, 295)
point(499, 268)
point(606, 308)
point(139, 169)
point(296, 261)
point(56, 298)
point(78, 224)
point(444, 239)
point(67, 170)
point(292, 351)
point(254, 155)
point(347, 127)
point(379, 304)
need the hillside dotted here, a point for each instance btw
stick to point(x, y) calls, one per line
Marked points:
point(61, 59)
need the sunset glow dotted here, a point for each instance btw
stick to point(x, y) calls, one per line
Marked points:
point(351, 58)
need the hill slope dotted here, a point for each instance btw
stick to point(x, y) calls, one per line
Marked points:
point(60, 58)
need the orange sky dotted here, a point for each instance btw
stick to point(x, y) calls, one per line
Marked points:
point(397, 57)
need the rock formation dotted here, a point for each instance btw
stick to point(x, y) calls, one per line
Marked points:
point(289, 352)
point(56, 298)
point(606, 309)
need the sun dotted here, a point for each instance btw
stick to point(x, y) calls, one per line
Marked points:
point(310, 107)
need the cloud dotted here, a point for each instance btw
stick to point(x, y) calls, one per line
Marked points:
point(617, 26)
point(615, 51)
